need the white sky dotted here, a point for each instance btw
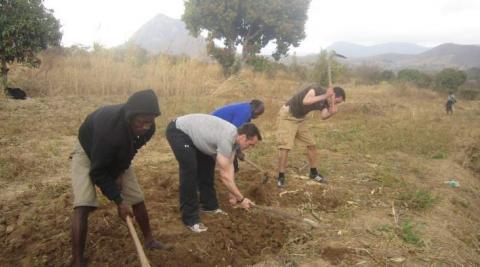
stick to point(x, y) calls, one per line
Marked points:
point(367, 22)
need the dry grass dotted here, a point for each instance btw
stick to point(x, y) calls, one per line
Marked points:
point(387, 144)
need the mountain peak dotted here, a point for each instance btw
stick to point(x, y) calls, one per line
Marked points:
point(163, 34)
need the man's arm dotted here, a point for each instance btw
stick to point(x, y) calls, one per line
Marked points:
point(311, 98)
point(101, 157)
point(328, 112)
point(228, 179)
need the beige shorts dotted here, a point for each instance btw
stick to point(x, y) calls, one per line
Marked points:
point(291, 129)
point(84, 192)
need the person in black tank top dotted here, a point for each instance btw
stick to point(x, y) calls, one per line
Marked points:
point(292, 126)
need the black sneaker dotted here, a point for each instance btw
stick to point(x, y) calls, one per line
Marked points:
point(318, 178)
point(281, 181)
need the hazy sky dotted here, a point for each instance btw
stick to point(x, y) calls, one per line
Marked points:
point(367, 22)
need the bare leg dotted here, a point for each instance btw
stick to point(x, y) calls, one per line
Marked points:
point(312, 156)
point(79, 234)
point(141, 216)
point(282, 160)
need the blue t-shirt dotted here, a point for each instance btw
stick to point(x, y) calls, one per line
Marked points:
point(236, 113)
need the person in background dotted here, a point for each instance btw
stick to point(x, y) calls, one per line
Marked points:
point(451, 100)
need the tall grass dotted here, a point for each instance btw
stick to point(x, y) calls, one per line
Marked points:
point(109, 72)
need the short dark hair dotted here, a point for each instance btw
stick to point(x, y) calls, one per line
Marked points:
point(340, 92)
point(257, 107)
point(250, 130)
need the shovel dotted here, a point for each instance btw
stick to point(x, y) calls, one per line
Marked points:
point(286, 215)
point(265, 174)
point(141, 254)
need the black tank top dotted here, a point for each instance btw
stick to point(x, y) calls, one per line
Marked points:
point(298, 109)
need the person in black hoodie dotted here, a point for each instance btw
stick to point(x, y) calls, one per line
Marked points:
point(108, 140)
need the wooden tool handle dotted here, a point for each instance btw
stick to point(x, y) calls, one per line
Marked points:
point(141, 254)
point(253, 164)
point(286, 215)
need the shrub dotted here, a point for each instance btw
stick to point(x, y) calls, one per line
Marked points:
point(416, 77)
point(449, 79)
point(418, 199)
point(387, 75)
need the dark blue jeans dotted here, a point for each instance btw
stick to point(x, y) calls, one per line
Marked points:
point(196, 171)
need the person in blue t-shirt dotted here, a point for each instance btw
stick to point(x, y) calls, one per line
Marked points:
point(238, 114)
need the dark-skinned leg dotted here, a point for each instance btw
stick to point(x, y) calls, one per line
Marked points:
point(79, 234)
point(141, 216)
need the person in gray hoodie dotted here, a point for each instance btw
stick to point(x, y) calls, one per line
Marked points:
point(108, 140)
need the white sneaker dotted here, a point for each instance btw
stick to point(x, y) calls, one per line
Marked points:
point(215, 211)
point(197, 228)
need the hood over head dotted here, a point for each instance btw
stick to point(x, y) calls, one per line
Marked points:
point(142, 102)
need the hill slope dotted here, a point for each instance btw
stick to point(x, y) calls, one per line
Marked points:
point(163, 34)
point(352, 50)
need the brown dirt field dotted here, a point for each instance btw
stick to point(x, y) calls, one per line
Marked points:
point(374, 158)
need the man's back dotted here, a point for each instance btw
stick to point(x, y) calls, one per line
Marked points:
point(236, 113)
point(209, 134)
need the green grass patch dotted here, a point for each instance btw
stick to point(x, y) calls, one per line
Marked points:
point(439, 155)
point(386, 177)
point(419, 199)
point(408, 234)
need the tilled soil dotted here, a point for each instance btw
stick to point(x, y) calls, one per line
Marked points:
point(37, 227)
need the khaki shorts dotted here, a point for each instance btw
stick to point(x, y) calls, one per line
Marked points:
point(84, 193)
point(291, 129)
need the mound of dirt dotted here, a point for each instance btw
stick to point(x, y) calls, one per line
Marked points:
point(36, 229)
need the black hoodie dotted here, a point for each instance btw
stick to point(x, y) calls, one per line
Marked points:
point(109, 142)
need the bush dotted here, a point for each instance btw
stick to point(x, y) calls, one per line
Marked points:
point(416, 77)
point(263, 64)
point(417, 199)
point(225, 57)
point(449, 79)
point(387, 75)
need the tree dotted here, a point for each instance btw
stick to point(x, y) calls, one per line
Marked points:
point(26, 27)
point(414, 76)
point(449, 79)
point(251, 24)
point(387, 75)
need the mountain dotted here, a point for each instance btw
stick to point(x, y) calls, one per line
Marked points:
point(446, 55)
point(462, 56)
point(352, 50)
point(163, 34)
point(442, 56)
